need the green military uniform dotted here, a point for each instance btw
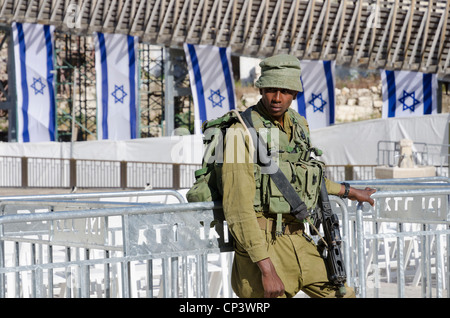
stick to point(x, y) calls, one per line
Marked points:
point(293, 254)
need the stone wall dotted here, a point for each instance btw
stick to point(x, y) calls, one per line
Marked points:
point(446, 101)
point(354, 104)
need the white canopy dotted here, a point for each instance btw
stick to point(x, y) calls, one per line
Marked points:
point(350, 143)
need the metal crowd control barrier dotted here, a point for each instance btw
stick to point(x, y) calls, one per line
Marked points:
point(55, 246)
point(74, 245)
point(400, 248)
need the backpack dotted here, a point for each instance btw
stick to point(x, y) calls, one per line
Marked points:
point(208, 181)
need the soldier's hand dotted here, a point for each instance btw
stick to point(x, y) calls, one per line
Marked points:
point(272, 284)
point(362, 195)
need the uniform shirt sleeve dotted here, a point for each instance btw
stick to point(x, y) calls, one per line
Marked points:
point(239, 189)
point(332, 187)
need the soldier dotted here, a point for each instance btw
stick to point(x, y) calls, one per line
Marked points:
point(266, 264)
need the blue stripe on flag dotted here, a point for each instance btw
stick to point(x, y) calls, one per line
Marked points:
point(227, 75)
point(104, 63)
point(390, 79)
point(330, 87)
point(52, 112)
point(24, 84)
point(301, 105)
point(132, 74)
point(427, 94)
point(198, 82)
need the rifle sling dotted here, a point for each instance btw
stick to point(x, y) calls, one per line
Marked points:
point(299, 209)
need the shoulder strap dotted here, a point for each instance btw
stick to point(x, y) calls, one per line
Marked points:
point(298, 207)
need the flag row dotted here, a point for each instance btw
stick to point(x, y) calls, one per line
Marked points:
point(404, 93)
point(116, 68)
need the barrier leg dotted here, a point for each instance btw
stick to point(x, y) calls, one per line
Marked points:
point(360, 248)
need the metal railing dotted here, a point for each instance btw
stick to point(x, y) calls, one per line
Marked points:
point(68, 173)
point(83, 173)
point(424, 154)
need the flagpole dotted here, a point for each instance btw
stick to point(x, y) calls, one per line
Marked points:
point(72, 137)
point(169, 111)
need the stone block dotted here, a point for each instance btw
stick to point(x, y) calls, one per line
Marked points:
point(397, 172)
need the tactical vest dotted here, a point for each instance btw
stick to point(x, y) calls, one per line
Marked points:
point(295, 161)
point(293, 157)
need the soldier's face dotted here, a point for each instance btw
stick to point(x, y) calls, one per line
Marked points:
point(277, 100)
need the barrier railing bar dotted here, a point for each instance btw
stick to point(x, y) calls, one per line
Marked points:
point(143, 208)
point(97, 195)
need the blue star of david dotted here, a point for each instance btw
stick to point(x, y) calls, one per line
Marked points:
point(216, 98)
point(319, 99)
point(38, 86)
point(409, 100)
point(119, 94)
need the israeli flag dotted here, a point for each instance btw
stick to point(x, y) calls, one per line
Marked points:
point(116, 66)
point(211, 78)
point(36, 106)
point(408, 93)
point(317, 101)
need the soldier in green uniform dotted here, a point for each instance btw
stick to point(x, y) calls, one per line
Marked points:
point(266, 264)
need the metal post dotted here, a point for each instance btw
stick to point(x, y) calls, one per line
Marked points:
point(184, 269)
point(360, 246)
point(169, 107)
point(24, 172)
point(439, 259)
point(448, 264)
point(73, 138)
point(2, 265)
point(68, 276)
point(423, 257)
point(125, 265)
point(400, 264)
point(123, 174)
point(16, 264)
point(150, 278)
point(12, 113)
point(165, 277)
point(174, 276)
point(176, 184)
point(205, 290)
point(107, 271)
point(50, 271)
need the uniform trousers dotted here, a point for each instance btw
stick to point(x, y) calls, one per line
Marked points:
point(297, 263)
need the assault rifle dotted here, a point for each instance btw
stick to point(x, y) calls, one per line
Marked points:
point(330, 248)
point(330, 245)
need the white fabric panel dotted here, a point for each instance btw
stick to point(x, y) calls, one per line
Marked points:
point(356, 143)
point(350, 143)
point(178, 149)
